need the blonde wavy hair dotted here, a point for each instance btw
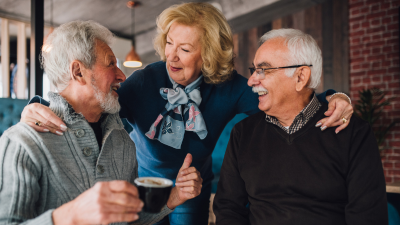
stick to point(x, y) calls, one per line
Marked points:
point(216, 39)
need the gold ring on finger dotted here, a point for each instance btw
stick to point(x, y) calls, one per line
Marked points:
point(38, 123)
point(344, 120)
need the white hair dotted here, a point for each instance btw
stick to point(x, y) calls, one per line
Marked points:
point(303, 50)
point(71, 41)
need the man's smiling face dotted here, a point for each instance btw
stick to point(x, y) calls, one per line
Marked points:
point(106, 78)
point(276, 86)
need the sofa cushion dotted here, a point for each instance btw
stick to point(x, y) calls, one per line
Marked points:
point(10, 112)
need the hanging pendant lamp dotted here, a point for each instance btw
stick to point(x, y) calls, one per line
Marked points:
point(132, 60)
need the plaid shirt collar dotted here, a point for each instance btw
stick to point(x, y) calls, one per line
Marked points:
point(301, 119)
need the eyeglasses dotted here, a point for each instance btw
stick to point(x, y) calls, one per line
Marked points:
point(261, 71)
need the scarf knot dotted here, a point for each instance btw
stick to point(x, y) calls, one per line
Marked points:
point(181, 113)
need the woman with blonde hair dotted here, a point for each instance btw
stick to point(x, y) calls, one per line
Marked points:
point(182, 104)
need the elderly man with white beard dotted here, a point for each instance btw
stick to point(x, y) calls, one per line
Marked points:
point(281, 169)
point(86, 175)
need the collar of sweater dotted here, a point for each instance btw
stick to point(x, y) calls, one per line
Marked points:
point(301, 119)
point(64, 110)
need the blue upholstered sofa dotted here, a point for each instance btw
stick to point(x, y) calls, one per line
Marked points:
point(10, 112)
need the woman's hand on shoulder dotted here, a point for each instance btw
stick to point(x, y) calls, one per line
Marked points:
point(339, 112)
point(42, 119)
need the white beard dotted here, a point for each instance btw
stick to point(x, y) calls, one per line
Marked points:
point(108, 102)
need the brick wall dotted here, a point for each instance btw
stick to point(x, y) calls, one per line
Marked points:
point(374, 62)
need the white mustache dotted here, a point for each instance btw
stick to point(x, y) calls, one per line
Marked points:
point(259, 89)
point(116, 85)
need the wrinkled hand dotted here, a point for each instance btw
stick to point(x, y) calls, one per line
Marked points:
point(38, 112)
point(338, 108)
point(104, 203)
point(187, 186)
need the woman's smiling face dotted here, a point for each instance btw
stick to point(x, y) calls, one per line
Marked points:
point(183, 52)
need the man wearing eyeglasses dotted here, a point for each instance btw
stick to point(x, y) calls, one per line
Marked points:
point(279, 168)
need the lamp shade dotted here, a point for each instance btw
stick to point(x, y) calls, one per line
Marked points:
point(132, 60)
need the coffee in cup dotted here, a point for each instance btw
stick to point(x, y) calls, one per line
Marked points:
point(154, 192)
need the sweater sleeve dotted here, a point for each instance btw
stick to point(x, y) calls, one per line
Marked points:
point(231, 197)
point(39, 99)
point(19, 187)
point(322, 97)
point(151, 218)
point(366, 186)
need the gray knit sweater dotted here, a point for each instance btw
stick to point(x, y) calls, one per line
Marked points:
point(41, 171)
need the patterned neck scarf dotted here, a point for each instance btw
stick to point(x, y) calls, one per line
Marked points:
point(181, 113)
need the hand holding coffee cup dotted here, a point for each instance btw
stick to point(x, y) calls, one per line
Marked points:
point(106, 202)
point(188, 184)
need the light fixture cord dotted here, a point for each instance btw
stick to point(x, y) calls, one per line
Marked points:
point(133, 25)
